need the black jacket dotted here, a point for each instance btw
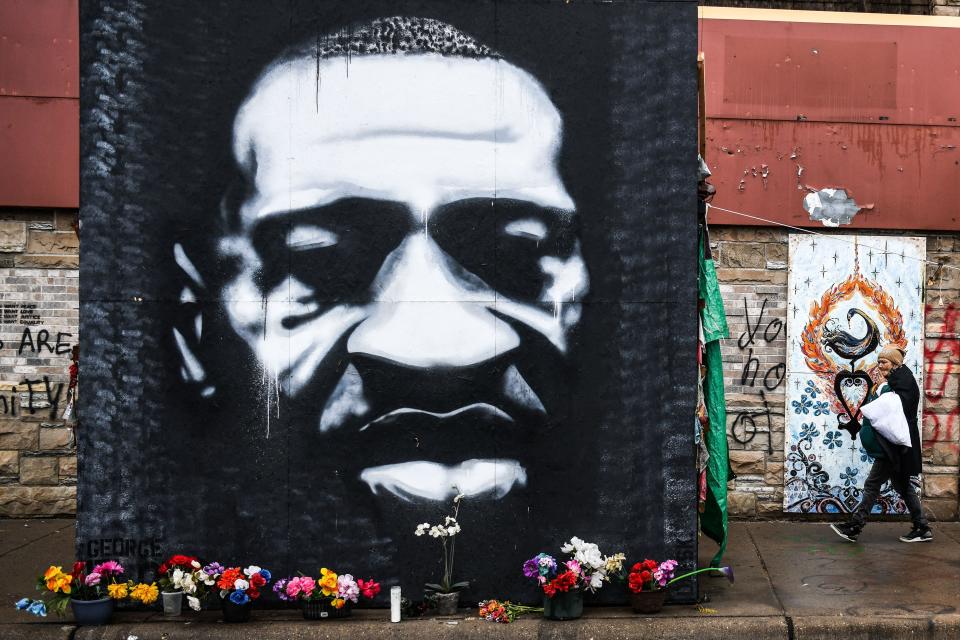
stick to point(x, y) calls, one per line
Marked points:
point(907, 461)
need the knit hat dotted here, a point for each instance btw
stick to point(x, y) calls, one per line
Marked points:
point(892, 354)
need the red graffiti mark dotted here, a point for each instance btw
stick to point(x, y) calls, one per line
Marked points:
point(935, 382)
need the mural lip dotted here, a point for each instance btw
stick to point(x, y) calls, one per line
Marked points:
point(483, 430)
point(478, 408)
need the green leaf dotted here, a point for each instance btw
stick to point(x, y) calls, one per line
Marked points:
point(433, 587)
point(460, 585)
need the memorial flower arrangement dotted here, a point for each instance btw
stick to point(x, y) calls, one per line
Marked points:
point(446, 533)
point(336, 589)
point(238, 585)
point(650, 575)
point(103, 581)
point(182, 573)
point(586, 570)
point(504, 611)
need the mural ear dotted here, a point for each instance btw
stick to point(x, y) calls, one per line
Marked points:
point(188, 324)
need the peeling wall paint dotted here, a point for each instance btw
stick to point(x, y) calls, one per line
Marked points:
point(832, 207)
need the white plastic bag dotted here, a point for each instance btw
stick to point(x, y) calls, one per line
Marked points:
point(887, 417)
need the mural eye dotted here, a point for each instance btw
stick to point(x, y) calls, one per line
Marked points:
point(502, 241)
point(303, 237)
point(335, 249)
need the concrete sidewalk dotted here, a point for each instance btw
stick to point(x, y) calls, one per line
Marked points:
point(793, 581)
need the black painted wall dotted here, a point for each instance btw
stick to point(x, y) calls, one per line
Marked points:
point(212, 440)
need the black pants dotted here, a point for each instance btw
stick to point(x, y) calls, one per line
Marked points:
point(882, 471)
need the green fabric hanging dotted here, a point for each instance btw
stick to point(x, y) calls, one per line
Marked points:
point(713, 521)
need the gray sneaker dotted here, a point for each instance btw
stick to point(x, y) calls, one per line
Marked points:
point(918, 535)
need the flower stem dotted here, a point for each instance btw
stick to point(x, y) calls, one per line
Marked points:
point(691, 573)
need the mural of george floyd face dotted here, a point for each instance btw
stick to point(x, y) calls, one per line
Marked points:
point(398, 253)
point(410, 265)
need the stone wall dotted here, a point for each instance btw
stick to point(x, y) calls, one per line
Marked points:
point(39, 300)
point(945, 7)
point(752, 268)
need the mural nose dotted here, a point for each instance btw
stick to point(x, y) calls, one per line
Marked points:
point(428, 311)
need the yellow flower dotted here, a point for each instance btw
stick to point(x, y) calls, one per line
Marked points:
point(117, 591)
point(57, 580)
point(615, 563)
point(328, 582)
point(52, 573)
point(145, 593)
point(338, 603)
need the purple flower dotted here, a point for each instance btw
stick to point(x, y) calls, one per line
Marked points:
point(280, 588)
point(531, 568)
point(667, 568)
point(539, 566)
point(213, 569)
point(727, 572)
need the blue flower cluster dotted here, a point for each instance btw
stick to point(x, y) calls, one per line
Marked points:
point(36, 607)
point(833, 440)
point(239, 597)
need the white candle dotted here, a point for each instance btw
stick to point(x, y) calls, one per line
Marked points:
point(394, 604)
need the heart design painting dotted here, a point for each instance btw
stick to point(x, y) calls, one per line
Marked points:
point(851, 388)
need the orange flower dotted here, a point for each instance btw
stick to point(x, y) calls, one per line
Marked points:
point(338, 603)
point(229, 577)
point(328, 582)
point(52, 572)
point(57, 580)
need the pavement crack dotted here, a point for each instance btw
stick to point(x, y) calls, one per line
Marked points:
point(30, 542)
point(766, 574)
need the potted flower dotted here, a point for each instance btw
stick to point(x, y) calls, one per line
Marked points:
point(446, 593)
point(648, 582)
point(563, 584)
point(238, 588)
point(177, 575)
point(90, 594)
point(328, 596)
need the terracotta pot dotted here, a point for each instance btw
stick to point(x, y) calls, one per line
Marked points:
point(648, 601)
point(447, 603)
point(92, 611)
point(565, 605)
point(324, 610)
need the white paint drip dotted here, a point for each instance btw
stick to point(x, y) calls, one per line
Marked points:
point(194, 371)
point(181, 258)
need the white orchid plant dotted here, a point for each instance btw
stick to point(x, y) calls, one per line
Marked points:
point(446, 533)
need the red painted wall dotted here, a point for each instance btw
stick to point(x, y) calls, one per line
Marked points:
point(871, 108)
point(39, 103)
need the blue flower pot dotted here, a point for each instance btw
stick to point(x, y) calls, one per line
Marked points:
point(92, 612)
point(565, 605)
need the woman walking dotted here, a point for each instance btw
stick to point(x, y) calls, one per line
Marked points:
point(891, 462)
